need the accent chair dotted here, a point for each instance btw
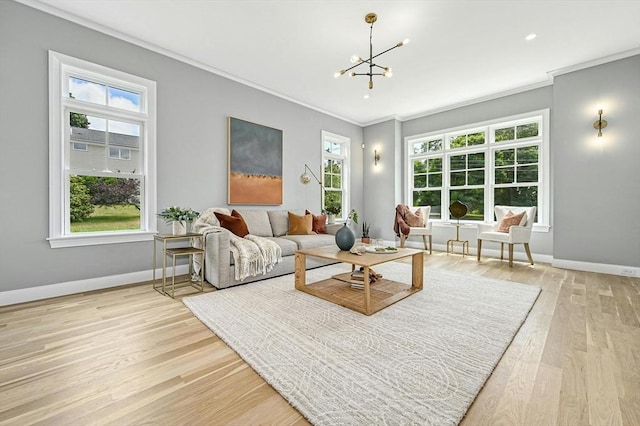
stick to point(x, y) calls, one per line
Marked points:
point(512, 227)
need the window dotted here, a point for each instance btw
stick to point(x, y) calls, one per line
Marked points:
point(102, 162)
point(501, 162)
point(335, 176)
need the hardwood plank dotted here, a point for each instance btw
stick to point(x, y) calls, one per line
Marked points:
point(129, 355)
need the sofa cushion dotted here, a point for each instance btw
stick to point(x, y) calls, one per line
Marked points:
point(300, 225)
point(234, 223)
point(257, 222)
point(312, 241)
point(288, 247)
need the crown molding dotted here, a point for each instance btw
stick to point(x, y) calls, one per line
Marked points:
point(594, 62)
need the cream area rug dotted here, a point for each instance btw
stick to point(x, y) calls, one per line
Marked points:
point(420, 361)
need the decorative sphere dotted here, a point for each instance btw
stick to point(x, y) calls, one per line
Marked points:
point(305, 178)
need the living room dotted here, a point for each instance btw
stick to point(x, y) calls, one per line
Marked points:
point(592, 210)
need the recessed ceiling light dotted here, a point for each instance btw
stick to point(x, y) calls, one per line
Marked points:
point(366, 96)
point(530, 37)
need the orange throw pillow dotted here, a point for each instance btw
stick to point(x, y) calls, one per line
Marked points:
point(300, 225)
point(319, 223)
point(234, 223)
point(509, 220)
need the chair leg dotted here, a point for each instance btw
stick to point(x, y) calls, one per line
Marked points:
point(430, 244)
point(526, 247)
point(501, 251)
point(424, 241)
point(403, 238)
point(510, 255)
point(479, 248)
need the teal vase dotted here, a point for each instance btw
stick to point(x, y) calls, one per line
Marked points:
point(345, 238)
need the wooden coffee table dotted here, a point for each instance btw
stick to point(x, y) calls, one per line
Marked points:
point(373, 297)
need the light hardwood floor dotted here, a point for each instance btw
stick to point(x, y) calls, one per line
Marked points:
point(132, 356)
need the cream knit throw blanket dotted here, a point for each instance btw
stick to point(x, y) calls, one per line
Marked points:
point(252, 255)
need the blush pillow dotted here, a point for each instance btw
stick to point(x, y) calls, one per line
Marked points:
point(509, 220)
point(414, 219)
point(319, 223)
point(300, 225)
point(234, 223)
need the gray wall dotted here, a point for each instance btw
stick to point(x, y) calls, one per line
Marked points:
point(382, 182)
point(597, 186)
point(193, 106)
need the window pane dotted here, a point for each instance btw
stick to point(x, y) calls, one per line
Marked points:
point(100, 204)
point(474, 200)
point(79, 146)
point(458, 142)
point(476, 177)
point(458, 162)
point(506, 134)
point(124, 146)
point(435, 145)
point(527, 130)
point(420, 181)
point(428, 198)
point(504, 157)
point(87, 91)
point(333, 202)
point(528, 154)
point(505, 175)
point(476, 160)
point(89, 131)
point(523, 196)
point(420, 147)
point(124, 99)
point(458, 178)
point(476, 138)
point(435, 164)
point(419, 166)
point(435, 180)
point(528, 173)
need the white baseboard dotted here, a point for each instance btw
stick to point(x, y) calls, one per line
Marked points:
point(12, 297)
point(603, 268)
point(30, 294)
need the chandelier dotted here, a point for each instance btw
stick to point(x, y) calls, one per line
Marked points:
point(370, 18)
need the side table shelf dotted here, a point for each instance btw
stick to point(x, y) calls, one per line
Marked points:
point(162, 286)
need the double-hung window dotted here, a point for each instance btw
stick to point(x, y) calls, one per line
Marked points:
point(335, 177)
point(499, 162)
point(102, 154)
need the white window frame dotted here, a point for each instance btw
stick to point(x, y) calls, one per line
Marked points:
point(345, 142)
point(60, 68)
point(542, 116)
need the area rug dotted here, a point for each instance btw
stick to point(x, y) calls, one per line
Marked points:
point(420, 361)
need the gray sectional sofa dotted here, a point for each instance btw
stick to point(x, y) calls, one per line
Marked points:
point(272, 224)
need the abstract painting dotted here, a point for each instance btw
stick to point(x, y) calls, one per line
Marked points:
point(255, 163)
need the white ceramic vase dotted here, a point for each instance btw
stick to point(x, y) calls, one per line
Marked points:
point(178, 227)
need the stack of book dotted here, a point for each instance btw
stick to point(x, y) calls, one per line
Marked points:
point(357, 278)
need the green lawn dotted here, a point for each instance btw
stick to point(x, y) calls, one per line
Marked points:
point(116, 218)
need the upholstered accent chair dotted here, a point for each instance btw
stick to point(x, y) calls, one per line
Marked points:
point(422, 231)
point(511, 228)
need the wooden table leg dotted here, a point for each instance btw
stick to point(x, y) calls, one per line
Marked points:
point(367, 291)
point(301, 270)
point(417, 270)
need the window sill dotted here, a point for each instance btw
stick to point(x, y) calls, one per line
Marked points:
point(99, 239)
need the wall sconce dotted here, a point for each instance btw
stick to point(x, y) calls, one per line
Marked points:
point(600, 123)
point(376, 157)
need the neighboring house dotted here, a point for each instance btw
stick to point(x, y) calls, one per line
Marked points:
point(90, 150)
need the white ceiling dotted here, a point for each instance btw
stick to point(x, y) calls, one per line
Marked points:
point(460, 51)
